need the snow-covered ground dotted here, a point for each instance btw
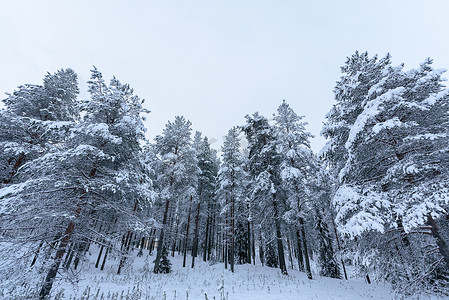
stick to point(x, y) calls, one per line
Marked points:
point(207, 281)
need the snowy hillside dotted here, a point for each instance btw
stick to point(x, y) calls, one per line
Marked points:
point(210, 282)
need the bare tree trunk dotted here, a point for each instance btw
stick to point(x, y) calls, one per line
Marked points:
point(37, 253)
point(157, 261)
point(187, 234)
point(16, 166)
point(82, 248)
point(339, 249)
point(206, 239)
point(290, 252)
point(151, 242)
point(195, 236)
point(248, 250)
point(45, 291)
point(232, 251)
point(213, 233)
point(225, 238)
point(304, 244)
point(300, 255)
point(126, 250)
point(126, 245)
point(280, 245)
point(104, 258)
point(99, 257)
point(225, 250)
point(254, 244)
point(442, 245)
point(175, 238)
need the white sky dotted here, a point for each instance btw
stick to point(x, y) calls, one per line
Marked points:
point(216, 61)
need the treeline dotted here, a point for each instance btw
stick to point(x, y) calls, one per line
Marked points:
point(79, 173)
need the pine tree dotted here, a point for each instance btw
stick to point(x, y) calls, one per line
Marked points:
point(326, 259)
point(164, 264)
point(91, 172)
point(177, 170)
point(263, 163)
point(231, 193)
point(297, 164)
point(393, 178)
point(33, 125)
point(207, 164)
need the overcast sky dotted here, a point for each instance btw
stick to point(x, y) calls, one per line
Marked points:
point(216, 61)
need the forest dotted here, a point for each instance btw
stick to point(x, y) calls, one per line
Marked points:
point(78, 174)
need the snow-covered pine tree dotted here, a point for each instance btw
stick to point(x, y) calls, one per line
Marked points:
point(33, 124)
point(205, 189)
point(393, 177)
point(326, 254)
point(93, 175)
point(102, 167)
point(177, 176)
point(264, 168)
point(360, 73)
point(207, 183)
point(296, 164)
point(32, 121)
point(207, 164)
point(232, 195)
point(164, 264)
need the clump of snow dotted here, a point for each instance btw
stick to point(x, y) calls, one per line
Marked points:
point(394, 122)
point(357, 212)
point(371, 110)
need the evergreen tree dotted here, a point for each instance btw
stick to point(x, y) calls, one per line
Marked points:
point(263, 165)
point(92, 172)
point(177, 170)
point(231, 193)
point(297, 164)
point(164, 264)
point(326, 258)
point(392, 179)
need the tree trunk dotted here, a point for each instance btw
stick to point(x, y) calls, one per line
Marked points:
point(225, 250)
point(99, 257)
point(442, 245)
point(157, 261)
point(226, 237)
point(69, 256)
point(187, 234)
point(16, 166)
point(82, 248)
point(306, 252)
point(45, 291)
point(206, 238)
point(212, 234)
point(254, 244)
point(280, 245)
point(339, 249)
point(175, 238)
point(151, 243)
point(126, 250)
point(195, 236)
point(248, 249)
point(37, 253)
point(104, 258)
point(290, 253)
point(232, 251)
point(300, 255)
